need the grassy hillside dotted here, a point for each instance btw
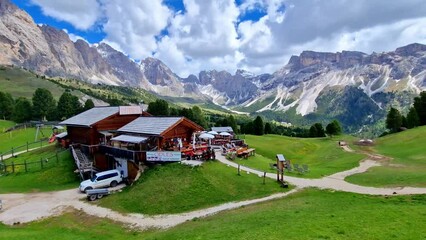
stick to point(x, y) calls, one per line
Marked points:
point(55, 175)
point(21, 83)
point(322, 155)
point(408, 166)
point(175, 188)
point(310, 214)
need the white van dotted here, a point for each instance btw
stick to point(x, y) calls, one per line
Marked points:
point(102, 179)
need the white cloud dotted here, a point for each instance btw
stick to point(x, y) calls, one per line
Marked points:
point(82, 14)
point(210, 34)
point(134, 24)
point(74, 37)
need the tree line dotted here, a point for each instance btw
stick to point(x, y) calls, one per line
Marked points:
point(415, 117)
point(244, 125)
point(41, 107)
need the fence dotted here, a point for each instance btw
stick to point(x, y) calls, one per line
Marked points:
point(28, 166)
point(24, 148)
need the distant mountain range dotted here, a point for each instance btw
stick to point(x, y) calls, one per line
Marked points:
point(354, 87)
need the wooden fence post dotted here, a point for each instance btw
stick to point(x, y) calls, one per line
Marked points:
point(13, 167)
point(25, 163)
point(12, 152)
point(27, 146)
point(264, 177)
point(41, 163)
point(239, 170)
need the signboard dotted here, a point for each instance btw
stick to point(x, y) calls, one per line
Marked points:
point(280, 158)
point(163, 156)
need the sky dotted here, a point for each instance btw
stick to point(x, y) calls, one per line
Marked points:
point(255, 35)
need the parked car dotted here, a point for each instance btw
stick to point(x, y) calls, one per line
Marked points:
point(102, 179)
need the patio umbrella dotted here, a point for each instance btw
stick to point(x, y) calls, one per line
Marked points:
point(213, 132)
point(224, 134)
point(206, 136)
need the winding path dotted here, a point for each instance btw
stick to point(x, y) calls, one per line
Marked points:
point(33, 206)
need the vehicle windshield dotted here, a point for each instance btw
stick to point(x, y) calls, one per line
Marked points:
point(93, 178)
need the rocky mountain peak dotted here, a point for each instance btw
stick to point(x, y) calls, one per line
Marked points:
point(6, 6)
point(411, 50)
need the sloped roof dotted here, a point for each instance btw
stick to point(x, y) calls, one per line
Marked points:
point(130, 139)
point(129, 110)
point(91, 116)
point(150, 125)
point(222, 129)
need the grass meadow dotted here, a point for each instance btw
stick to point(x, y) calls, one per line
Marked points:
point(407, 166)
point(175, 188)
point(309, 214)
point(322, 155)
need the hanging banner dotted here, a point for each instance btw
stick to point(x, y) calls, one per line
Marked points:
point(163, 156)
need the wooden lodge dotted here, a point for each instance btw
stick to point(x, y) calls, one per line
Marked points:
point(158, 133)
point(93, 126)
point(113, 137)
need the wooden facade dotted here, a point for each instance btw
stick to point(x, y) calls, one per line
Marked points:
point(183, 129)
point(92, 136)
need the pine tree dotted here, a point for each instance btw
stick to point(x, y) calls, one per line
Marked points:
point(258, 127)
point(88, 104)
point(420, 106)
point(22, 111)
point(268, 128)
point(393, 120)
point(412, 118)
point(43, 104)
point(232, 123)
point(68, 106)
point(6, 105)
point(198, 116)
point(333, 128)
point(159, 108)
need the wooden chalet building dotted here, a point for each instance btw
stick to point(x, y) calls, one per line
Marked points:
point(93, 126)
point(158, 133)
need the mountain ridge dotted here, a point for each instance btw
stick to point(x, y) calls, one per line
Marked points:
point(298, 88)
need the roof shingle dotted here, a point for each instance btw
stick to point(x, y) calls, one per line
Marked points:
point(150, 125)
point(91, 116)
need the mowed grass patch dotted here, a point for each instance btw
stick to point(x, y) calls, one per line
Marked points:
point(71, 225)
point(55, 175)
point(257, 162)
point(322, 155)
point(408, 166)
point(4, 125)
point(309, 214)
point(176, 188)
point(20, 137)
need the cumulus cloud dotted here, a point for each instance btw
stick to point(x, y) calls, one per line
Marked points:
point(215, 35)
point(82, 14)
point(134, 25)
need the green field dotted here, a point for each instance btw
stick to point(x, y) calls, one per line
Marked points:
point(257, 162)
point(20, 137)
point(4, 125)
point(175, 188)
point(322, 155)
point(408, 166)
point(310, 214)
point(55, 175)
